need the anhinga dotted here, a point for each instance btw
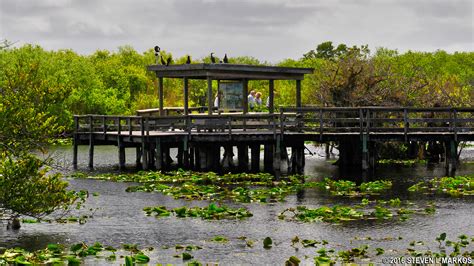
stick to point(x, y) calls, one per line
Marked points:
point(188, 61)
point(226, 60)
point(213, 60)
point(157, 53)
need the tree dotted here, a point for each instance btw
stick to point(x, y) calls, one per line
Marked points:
point(27, 122)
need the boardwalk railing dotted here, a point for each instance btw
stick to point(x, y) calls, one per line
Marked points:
point(308, 120)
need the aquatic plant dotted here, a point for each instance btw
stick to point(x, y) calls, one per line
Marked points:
point(453, 186)
point(349, 188)
point(406, 162)
point(212, 212)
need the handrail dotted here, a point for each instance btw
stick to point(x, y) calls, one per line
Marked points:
point(319, 120)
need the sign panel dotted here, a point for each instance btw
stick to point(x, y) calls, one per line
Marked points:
point(231, 95)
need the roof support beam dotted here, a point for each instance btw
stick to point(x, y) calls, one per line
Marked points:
point(298, 93)
point(209, 95)
point(271, 96)
point(160, 95)
point(186, 93)
point(245, 92)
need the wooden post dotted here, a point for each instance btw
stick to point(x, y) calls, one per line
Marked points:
point(160, 95)
point(451, 158)
point(185, 81)
point(192, 158)
point(209, 96)
point(271, 96)
point(268, 158)
point(75, 142)
point(121, 154)
point(294, 160)
point(227, 160)
point(91, 143)
point(255, 158)
point(243, 157)
point(245, 103)
point(365, 153)
point(185, 153)
point(179, 156)
point(138, 153)
point(197, 156)
point(158, 155)
point(277, 157)
point(298, 93)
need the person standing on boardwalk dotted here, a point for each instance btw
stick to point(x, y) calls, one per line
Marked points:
point(258, 99)
point(251, 99)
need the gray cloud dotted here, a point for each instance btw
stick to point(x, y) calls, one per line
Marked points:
point(267, 29)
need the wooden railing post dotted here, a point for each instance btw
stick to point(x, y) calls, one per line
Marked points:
point(405, 123)
point(104, 125)
point(455, 117)
point(282, 124)
point(321, 123)
point(129, 121)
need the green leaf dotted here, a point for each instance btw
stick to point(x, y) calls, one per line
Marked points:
point(267, 242)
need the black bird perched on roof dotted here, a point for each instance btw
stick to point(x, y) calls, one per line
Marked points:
point(168, 61)
point(213, 60)
point(226, 60)
point(157, 53)
point(188, 61)
point(163, 62)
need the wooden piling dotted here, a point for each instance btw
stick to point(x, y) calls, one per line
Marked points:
point(451, 157)
point(121, 155)
point(158, 155)
point(138, 154)
point(243, 158)
point(277, 158)
point(255, 158)
point(268, 158)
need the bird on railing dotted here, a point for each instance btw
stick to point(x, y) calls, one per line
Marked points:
point(226, 60)
point(157, 53)
point(163, 62)
point(188, 61)
point(213, 59)
point(168, 61)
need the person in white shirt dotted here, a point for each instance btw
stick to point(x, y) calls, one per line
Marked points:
point(258, 99)
point(251, 99)
point(217, 100)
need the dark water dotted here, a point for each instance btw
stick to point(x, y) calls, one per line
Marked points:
point(119, 219)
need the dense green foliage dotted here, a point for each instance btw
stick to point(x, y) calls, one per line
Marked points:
point(62, 83)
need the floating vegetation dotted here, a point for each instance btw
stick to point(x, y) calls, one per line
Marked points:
point(220, 239)
point(349, 188)
point(453, 186)
point(55, 254)
point(212, 212)
point(450, 252)
point(327, 214)
point(255, 188)
point(267, 242)
point(367, 210)
point(407, 162)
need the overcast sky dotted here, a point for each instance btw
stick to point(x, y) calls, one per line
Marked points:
point(270, 30)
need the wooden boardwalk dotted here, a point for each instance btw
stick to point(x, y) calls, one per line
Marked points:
point(199, 137)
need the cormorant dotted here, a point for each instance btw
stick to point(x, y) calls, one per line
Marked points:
point(168, 61)
point(188, 61)
point(226, 60)
point(213, 60)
